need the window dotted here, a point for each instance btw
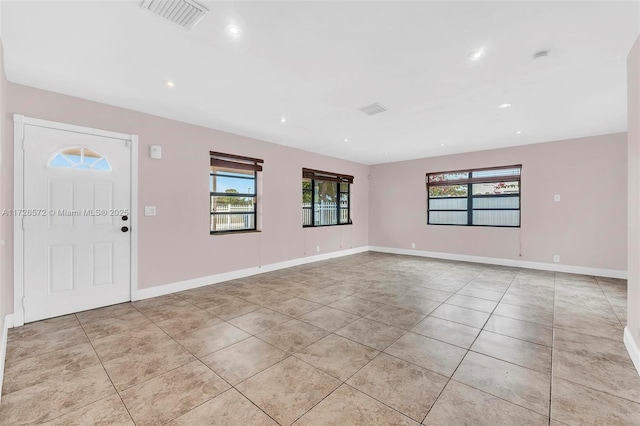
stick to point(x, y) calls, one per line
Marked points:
point(480, 197)
point(79, 158)
point(232, 183)
point(326, 198)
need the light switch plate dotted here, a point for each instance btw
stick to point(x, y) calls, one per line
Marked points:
point(149, 210)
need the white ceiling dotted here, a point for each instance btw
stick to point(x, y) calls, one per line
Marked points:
point(317, 62)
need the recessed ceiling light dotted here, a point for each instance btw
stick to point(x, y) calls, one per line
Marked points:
point(233, 30)
point(441, 144)
point(169, 83)
point(503, 106)
point(518, 132)
point(283, 120)
point(346, 139)
point(475, 56)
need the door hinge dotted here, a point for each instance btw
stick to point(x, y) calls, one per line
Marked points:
point(24, 299)
point(127, 143)
point(23, 218)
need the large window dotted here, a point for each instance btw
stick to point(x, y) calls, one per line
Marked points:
point(232, 183)
point(326, 198)
point(480, 197)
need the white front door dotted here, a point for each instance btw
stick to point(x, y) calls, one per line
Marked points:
point(76, 221)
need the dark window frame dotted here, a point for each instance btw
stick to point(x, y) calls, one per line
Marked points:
point(469, 181)
point(314, 176)
point(237, 162)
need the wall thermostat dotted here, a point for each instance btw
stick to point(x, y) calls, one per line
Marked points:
point(155, 152)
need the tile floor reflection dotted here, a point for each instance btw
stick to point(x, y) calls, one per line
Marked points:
point(368, 339)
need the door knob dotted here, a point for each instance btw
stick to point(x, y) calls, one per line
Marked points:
point(125, 217)
point(124, 229)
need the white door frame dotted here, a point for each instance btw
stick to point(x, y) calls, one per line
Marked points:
point(19, 121)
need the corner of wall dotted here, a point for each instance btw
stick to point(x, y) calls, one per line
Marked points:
point(632, 348)
point(5, 223)
point(7, 323)
point(632, 330)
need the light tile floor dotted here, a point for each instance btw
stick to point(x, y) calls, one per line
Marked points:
point(369, 339)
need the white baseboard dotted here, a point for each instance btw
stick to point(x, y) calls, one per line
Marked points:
point(7, 324)
point(146, 293)
point(610, 273)
point(162, 290)
point(632, 348)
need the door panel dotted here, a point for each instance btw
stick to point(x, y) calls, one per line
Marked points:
point(102, 199)
point(75, 255)
point(60, 268)
point(60, 197)
point(102, 264)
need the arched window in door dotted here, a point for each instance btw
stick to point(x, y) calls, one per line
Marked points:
point(80, 158)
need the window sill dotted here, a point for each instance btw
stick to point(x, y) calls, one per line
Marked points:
point(475, 226)
point(244, 231)
point(325, 226)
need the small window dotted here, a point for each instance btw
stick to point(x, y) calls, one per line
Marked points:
point(326, 198)
point(480, 197)
point(79, 158)
point(232, 183)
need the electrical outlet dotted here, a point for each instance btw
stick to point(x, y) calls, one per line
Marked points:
point(317, 249)
point(413, 245)
point(556, 258)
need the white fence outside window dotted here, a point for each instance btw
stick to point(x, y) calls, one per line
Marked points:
point(325, 213)
point(232, 221)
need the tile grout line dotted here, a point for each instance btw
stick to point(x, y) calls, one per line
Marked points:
point(289, 355)
point(205, 365)
point(507, 362)
point(8, 364)
point(469, 349)
point(518, 319)
point(461, 359)
point(608, 301)
point(553, 346)
point(316, 368)
point(584, 334)
point(408, 362)
point(225, 380)
point(344, 382)
point(406, 331)
point(105, 372)
point(600, 391)
point(180, 366)
point(519, 338)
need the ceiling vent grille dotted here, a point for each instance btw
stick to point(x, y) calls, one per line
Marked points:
point(186, 13)
point(373, 109)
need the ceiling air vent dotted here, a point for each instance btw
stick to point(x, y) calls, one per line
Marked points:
point(373, 109)
point(186, 13)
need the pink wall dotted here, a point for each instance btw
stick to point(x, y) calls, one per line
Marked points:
point(176, 245)
point(586, 228)
point(633, 283)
